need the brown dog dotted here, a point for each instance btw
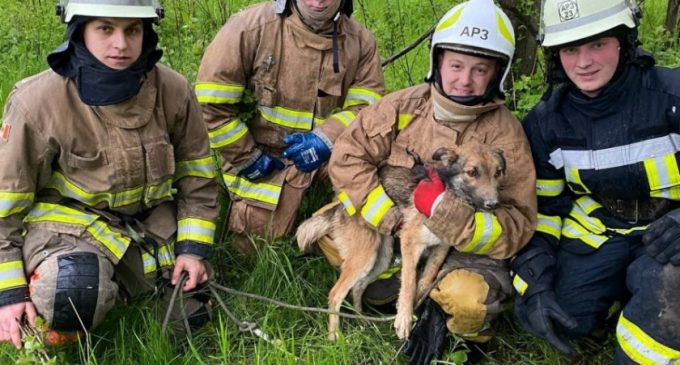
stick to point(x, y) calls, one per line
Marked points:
point(471, 171)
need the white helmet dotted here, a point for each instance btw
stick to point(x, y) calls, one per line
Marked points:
point(477, 27)
point(567, 21)
point(151, 9)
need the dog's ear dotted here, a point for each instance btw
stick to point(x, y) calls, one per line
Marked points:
point(415, 156)
point(446, 155)
point(501, 159)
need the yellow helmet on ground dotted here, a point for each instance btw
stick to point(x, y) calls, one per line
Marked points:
point(475, 27)
point(144, 9)
point(567, 21)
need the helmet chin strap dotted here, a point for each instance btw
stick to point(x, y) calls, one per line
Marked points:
point(491, 91)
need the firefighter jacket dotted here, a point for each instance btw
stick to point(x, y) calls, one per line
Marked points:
point(265, 76)
point(76, 169)
point(402, 124)
point(606, 166)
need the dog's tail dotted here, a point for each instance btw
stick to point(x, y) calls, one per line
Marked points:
point(311, 230)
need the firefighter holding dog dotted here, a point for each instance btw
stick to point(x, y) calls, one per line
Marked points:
point(108, 184)
point(605, 143)
point(308, 68)
point(470, 57)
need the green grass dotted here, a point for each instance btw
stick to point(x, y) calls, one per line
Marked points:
point(131, 335)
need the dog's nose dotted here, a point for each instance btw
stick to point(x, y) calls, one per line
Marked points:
point(491, 204)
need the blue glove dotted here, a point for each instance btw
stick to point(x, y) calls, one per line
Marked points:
point(307, 151)
point(263, 166)
point(662, 239)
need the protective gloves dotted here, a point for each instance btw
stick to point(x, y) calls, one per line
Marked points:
point(662, 239)
point(263, 166)
point(427, 337)
point(308, 151)
point(536, 315)
point(428, 193)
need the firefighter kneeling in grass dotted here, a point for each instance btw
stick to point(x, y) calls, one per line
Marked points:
point(108, 170)
point(471, 53)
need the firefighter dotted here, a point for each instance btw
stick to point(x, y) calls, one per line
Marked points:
point(278, 84)
point(605, 142)
point(108, 174)
point(470, 57)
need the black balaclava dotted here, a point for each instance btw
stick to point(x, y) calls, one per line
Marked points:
point(492, 90)
point(97, 83)
point(629, 54)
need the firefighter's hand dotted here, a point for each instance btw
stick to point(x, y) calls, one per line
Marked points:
point(263, 166)
point(538, 315)
point(427, 337)
point(194, 267)
point(10, 317)
point(662, 239)
point(308, 151)
point(428, 193)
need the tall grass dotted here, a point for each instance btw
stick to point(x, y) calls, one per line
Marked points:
point(131, 334)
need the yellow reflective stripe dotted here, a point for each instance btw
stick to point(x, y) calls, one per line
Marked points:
point(349, 207)
point(573, 176)
point(195, 229)
point(227, 134)
point(663, 177)
point(156, 192)
point(48, 212)
point(68, 189)
point(287, 117)
point(581, 210)
point(549, 224)
point(388, 273)
point(641, 347)
point(166, 258)
point(670, 193)
point(450, 21)
point(214, 93)
point(202, 167)
point(264, 192)
point(549, 187)
point(377, 205)
point(360, 96)
point(346, 117)
point(12, 275)
point(520, 285)
point(112, 240)
point(487, 232)
point(503, 28)
point(13, 203)
point(571, 229)
point(404, 120)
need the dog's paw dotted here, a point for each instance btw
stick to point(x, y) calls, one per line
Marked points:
point(332, 336)
point(402, 323)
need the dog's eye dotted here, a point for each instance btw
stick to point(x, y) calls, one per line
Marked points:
point(473, 172)
point(499, 173)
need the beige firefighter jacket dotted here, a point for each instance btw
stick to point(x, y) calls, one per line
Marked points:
point(75, 169)
point(404, 121)
point(265, 76)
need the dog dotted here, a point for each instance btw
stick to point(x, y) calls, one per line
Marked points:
point(471, 171)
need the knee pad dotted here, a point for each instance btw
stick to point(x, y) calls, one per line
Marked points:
point(81, 280)
point(462, 295)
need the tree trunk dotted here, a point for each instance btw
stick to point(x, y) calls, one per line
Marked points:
point(526, 28)
point(671, 16)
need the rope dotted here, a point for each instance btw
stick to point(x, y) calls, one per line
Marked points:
point(408, 48)
point(225, 289)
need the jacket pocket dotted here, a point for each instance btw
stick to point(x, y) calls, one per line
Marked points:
point(265, 93)
point(160, 161)
point(75, 161)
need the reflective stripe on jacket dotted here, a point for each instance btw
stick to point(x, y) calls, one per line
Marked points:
point(404, 121)
point(253, 95)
